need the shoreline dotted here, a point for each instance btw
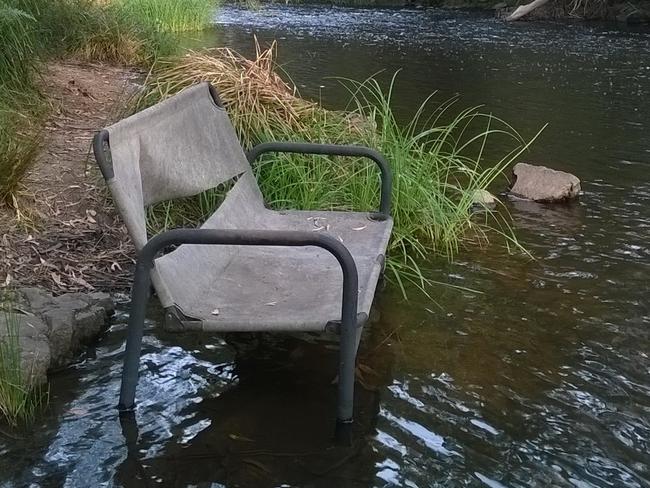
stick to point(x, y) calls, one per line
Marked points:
point(63, 234)
point(619, 13)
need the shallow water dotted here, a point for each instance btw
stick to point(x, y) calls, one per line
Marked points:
point(542, 379)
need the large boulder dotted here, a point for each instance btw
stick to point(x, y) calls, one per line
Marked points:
point(51, 330)
point(542, 184)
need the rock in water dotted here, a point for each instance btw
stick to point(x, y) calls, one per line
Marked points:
point(51, 330)
point(542, 184)
point(634, 17)
point(483, 200)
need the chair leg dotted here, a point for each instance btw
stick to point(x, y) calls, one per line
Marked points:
point(139, 298)
point(345, 407)
point(347, 363)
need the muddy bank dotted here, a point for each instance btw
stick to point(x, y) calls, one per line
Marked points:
point(62, 233)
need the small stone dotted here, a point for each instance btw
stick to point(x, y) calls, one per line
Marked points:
point(542, 184)
point(483, 200)
point(51, 329)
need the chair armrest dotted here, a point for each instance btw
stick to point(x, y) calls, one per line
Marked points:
point(335, 150)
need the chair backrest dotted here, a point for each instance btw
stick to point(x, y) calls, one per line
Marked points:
point(177, 148)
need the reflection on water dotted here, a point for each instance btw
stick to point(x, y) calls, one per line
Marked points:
point(263, 420)
point(541, 378)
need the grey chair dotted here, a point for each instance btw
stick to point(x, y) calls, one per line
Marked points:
point(247, 268)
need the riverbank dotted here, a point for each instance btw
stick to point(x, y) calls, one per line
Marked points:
point(60, 236)
point(634, 13)
point(124, 32)
point(61, 232)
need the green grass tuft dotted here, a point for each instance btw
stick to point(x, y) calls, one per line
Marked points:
point(17, 46)
point(34, 30)
point(20, 400)
point(20, 127)
point(170, 15)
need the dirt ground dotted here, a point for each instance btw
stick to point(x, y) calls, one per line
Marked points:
point(62, 232)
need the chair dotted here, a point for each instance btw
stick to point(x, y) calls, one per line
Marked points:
point(247, 268)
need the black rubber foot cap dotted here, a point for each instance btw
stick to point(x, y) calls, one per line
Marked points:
point(343, 434)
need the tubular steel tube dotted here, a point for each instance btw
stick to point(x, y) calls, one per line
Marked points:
point(139, 298)
point(335, 150)
point(142, 283)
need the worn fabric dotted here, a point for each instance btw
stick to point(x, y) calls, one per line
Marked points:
point(186, 145)
point(177, 148)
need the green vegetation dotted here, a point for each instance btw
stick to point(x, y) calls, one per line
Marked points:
point(17, 42)
point(170, 15)
point(19, 399)
point(20, 123)
point(134, 32)
point(438, 159)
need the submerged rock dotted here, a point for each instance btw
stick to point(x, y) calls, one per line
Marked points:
point(483, 200)
point(50, 330)
point(634, 17)
point(542, 184)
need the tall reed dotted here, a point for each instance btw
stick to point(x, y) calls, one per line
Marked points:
point(170, 15)
point(17, 47)
point(34, 30)
point(20, 399)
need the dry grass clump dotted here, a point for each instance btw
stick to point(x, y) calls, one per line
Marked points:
point(256, 95)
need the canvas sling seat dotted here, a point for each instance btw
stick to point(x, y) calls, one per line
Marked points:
point(247, 268)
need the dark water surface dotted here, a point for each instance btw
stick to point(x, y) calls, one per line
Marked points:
point(542, 379)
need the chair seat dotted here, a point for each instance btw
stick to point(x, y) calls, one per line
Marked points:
point(259, 288)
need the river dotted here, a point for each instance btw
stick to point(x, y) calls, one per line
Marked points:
point(541, 377)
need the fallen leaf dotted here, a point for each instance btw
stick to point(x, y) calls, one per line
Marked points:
point(57, 279)
point(83, 283)
point(257, 464)
point(367, 369)
point(236, 437)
